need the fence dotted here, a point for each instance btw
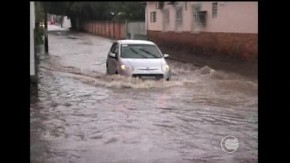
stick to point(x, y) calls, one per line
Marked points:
point(116, 29)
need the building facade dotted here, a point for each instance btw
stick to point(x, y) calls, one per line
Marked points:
point(226, 28)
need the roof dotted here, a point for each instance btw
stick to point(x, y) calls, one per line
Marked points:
point(135, 42)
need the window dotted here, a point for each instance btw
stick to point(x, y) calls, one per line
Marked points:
point(112, 50)
point(140, 51)
point(116, 49)
point(202, 17)
point(179, 16)
point(153, 16)
point(214, 9)
point(199, 17)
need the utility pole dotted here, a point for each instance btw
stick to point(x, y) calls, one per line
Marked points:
point(46, 31)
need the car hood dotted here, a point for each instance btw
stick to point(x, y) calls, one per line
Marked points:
point(145, 62)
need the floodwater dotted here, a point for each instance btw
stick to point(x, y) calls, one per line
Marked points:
point(84, 116)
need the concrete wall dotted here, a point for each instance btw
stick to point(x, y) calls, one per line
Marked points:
point(236, 45)
point(32, 26)
point(33, 72)
point(232, 17)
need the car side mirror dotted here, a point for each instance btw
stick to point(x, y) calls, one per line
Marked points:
point(166, 55)
point(113, 55)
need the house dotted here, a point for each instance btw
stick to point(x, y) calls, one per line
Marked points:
point(225, 28)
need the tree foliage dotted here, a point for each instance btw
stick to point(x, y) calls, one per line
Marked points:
point(57, 8)
point(129, 11)
point(98, 10)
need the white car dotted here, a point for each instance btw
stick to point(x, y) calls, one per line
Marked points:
point(137, 58)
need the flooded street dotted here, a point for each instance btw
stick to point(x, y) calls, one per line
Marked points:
point(84, 116)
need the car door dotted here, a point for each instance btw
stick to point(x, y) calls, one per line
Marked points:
point(112, 59)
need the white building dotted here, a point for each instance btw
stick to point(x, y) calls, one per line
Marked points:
point(220, 28)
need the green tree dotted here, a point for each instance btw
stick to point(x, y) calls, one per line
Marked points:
point(128, 11)
point(82, 11)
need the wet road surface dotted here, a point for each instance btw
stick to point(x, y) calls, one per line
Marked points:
point(84, 116)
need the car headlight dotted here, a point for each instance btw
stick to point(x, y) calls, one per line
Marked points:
point(124, 67)
point(165, 67)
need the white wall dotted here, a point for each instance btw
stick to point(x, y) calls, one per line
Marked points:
point(32, 26)
point(151, 7)
point(233, 17)
point(66, 22)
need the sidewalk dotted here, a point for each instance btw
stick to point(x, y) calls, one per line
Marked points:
point(245, 68)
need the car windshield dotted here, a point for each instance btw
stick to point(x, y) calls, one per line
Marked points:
point(140, 51)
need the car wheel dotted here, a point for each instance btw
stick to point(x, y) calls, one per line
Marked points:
point(167, 79)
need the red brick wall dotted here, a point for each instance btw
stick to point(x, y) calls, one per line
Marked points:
point(235, 45)
point(110, 29)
